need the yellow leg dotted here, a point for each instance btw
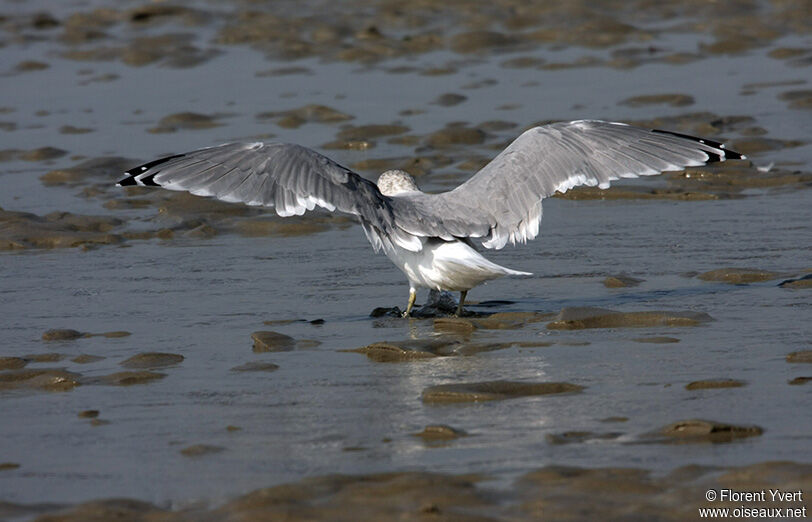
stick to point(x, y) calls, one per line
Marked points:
point(462, 300)
point(412, 297)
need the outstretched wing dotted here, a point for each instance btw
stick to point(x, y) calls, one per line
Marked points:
point(502, 202)
point(290, 178)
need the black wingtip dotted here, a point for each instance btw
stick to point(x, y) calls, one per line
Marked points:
point(132, 180)
point(712, 157)
point(703, 141)
point(149, 181)
point(732, 154)
point(146, 166)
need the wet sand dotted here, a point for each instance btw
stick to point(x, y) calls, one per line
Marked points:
point(209, 361)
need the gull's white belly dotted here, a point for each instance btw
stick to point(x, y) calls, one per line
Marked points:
point(446, 265)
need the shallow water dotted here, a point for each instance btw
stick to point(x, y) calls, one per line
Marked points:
point(325, 410)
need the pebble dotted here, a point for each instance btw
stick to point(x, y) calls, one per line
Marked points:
point(615, 419)
point(312, 113)
point(367, 132)
point(61, 335)
point(803, 356)
point(674, 100)
point(22, 230)
point(714, 383)
point(44, 357)
point(697, 430)
point(48, 379)
point(440, 432)
point(621, 281)
point(185, 120)
point(657, 339)
point(198, 450)
point(268, 341)
point(152, 360)
point(449, 99)
point(798, 99)
point(390, 352)
point(480, 41)
point(455, 136)
point(12, 363)
point(738, 275)
point(42, 154)
point(87, 358)
point(128, 378)
point(256, 366)
point(586, 317)
point(569, 437)
point(494, 390)
point(423, 349)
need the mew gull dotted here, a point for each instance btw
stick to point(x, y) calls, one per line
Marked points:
point(430, 236)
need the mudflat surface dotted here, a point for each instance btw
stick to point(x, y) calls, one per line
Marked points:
point(187, 354)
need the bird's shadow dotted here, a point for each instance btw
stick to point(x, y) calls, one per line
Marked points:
point(442, 308)
point(428, 312)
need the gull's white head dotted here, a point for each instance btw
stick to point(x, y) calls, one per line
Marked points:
point(393, 182)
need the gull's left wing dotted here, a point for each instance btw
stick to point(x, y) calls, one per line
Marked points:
point(501, 203)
